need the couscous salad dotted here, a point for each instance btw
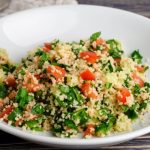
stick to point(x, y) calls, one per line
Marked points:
point(66, 88)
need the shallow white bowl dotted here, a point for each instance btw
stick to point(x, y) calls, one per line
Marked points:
point(25, 30)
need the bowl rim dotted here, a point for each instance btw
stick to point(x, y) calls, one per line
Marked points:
point(73, 141)
point(34, 136)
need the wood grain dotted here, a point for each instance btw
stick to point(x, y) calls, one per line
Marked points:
point(138, 6)
point(9, 142)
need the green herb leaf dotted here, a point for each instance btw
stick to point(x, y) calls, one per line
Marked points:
point(34, 124)
point(38, 109)
point(125, 108)
point(70, 124)
point(101, 129)
point(59, 102)
point(39, 52)
point(108, 85)
point(94, 36)
point(126, 81)
point(16, 112)
point(23, 98)
point(54, 43)
point(77, 95)
point(104, 111)
point(113, 44)
point(118, 69)
point(136, 56)
point(44, 57)
point(115, 48)
point(147, 86)
point(77, 50)
point(82, 42)
point(8, 68)
point(60, 65)
point(136, 89)
point(143, 105)
point(115, 53)
point(64, 89)
point(3, 90)
point(22, 72)
point(110, 67)
point(104, 127)
point(132, 114)
point(81, 115)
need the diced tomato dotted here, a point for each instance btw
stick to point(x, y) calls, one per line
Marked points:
point(138, 80)
point(87, 75)
point(89, 130)
point(57, 72)
point(30, 87)
point(31, 83)
point(1, 103)
point(124, 93)
point(19, 122)
point(100, 41)
point(12, 94)
point(117, 60)
point(37, 76)
point(140, 68)
point(90, 57)
point(10, 81)
point(87, 91)
point(47, 47)
point(6, 111)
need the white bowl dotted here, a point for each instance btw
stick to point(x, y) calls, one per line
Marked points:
point(25, 30)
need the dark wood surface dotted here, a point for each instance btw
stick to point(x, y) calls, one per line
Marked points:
point(9, 142)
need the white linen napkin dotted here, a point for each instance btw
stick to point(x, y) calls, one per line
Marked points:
point(18, 5)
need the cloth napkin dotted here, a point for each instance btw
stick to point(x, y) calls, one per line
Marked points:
point(18, 5)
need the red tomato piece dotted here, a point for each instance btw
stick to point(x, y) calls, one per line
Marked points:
point(140, 68)
point(89, 130)
point(6, 111)
point(124, 93)
point(87, 75)
point(10, 81)
point(31, 83)
point(87, 91)
point(100, 41)
point(19, 122)
point(117, 60)
point(37, 76)
point(47, 47)
point(90, 57)
point(138, 80)
point(56, 71)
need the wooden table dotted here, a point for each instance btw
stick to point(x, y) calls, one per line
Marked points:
point(9, 142)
